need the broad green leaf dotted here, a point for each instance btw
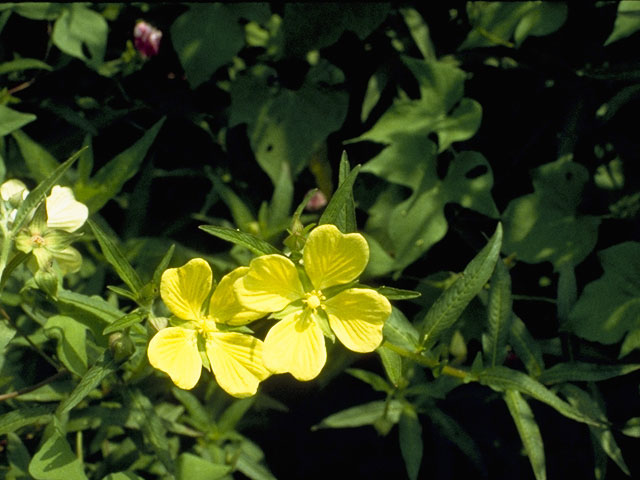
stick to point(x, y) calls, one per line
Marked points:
point(392, 363)
point(417, 223)
point(410, 436)
point(251, 466)
point(206, 37)
point(341, 202)
point(502, 379)
point(452, 302)
point(400, 331)
point(71, 338)
point(419, 31)
point(609, 307)
point(55, 460)
point(39, 193)
point(495, 23)
point(545, 225)
point(287, 125)
point(35, 10)
point(40, 162)
point(582, 401)
point(376, 382)
point(11, 119)
point(584, 372)
point(190, 467)
point(253, 243)
point(110, 179)
point(526, 347)
point(126, 321)
point(21, 417)
point(632, 428)
point(78, 27)
point(494, 342)
point(314, 26)
point(528, 430)
point(92, 311)
point(122, 476)
point(627, 21)
point(90, 380)
point(365, 414)
point(116, 258)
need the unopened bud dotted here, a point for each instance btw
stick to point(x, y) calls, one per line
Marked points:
point(121, 346)
point(146, 39)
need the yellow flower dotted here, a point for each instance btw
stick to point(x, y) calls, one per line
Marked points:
point(355, 315)
point(235, 358)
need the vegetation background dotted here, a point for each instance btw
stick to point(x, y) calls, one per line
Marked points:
point(462, 115)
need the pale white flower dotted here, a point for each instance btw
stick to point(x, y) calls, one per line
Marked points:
point(13, 190)
point(64, 212)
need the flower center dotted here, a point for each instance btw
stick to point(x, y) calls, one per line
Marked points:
point(314, 299)
point(38, 240)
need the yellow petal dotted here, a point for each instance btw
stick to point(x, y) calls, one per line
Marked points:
point(174, 350)
point(333, 258)
point(236, 361)
point(185, 289)
point(224, 306)
point(271, 284)
point(64, 212)
point(295, 345)
point(357, 316)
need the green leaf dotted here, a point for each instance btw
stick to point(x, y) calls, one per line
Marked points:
point(253, 243)
point(582, 401)
point(632, 428)
point(55, 460)
point(281, 201)
point(18, 457)
point(502, 379)
point(286, 125)
point(39, 161)
point(80, 27)
point(419, 31)
point(526, 347)
point(35, 10)
point(376, 382)
point(365, 414)
point(400, 331)
point(21, 417)
point(545, 225)
point(242, 215)
point(494, 343)
point(206, 37)
point(392, 363)
point(126, 321)
point(528, 430)
point(346, 216)
point(190, 467)
point(116, 258)
point(194, 408)
point(71, 339)
point(90, 380)
point(397, 293)
point(341, 202)
point(122, 476)
point(584, 372)
point(410, 436)
point(452, 302)
point(627, 21)
point(92, 311)
point(609, 307)
point(11, 119)
point(229, 419)
point(110, 179)
point(39, 193)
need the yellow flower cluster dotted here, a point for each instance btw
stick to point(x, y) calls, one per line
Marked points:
point(311, 300)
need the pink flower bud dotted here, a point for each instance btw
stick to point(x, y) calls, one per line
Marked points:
point(146, 39)
point(317, 201)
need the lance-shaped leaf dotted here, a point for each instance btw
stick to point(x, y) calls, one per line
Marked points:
point(55, 460)
point(502, 379)
point(116, 258)
point(191, 467)
point(582, 401)
point(340, 211)
point(528, 430)
point(451, 303)
point(392, 363)
point(253, 243)
point(584, 372)
point(411, 445)
point(21, 417)
point(11, 119)
point(494, 342)
point(365, 414)
point(526, 347)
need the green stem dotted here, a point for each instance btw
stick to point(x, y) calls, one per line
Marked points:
point(48, 359)
point(428, 362)
point(17, 393)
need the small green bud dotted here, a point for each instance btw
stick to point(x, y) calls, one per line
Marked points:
point(121, 346)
